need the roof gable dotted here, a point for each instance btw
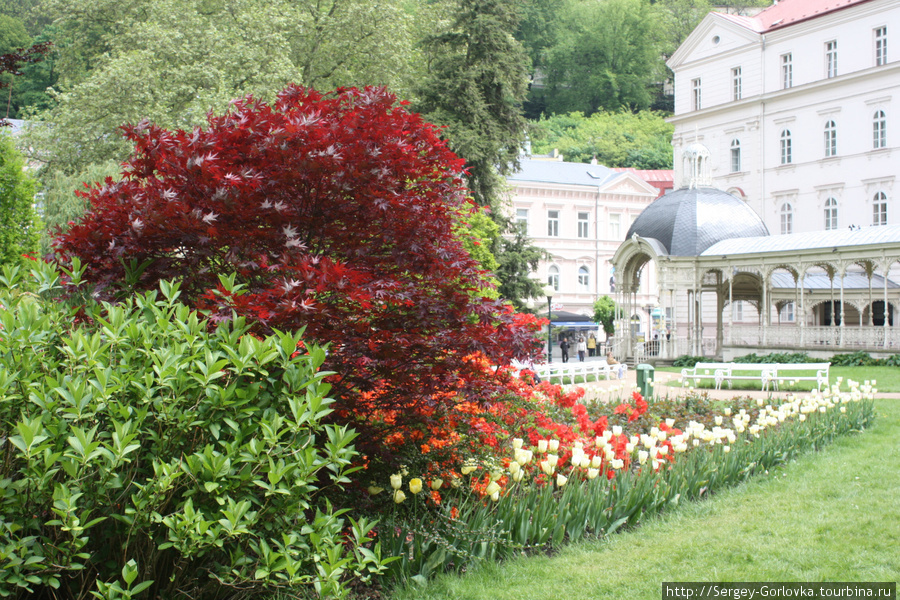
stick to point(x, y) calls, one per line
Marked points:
point(628, 183)
point(732, 31)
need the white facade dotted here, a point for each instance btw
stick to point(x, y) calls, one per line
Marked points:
point(800, 108)
point(579, 214)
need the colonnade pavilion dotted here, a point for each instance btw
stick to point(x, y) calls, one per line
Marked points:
point(711, 251)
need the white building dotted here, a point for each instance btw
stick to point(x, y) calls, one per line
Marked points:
point(800, 109)
point(579, 214)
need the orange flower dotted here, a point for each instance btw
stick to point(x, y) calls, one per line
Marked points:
point(454, 513)
point(436, 497)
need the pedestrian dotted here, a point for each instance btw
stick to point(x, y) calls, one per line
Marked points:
point(582, 348)
point(592, 345)
point(564, 348)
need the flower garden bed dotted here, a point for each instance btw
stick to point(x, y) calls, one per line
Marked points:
point(612, 465)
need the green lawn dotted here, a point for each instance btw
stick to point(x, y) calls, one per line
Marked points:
point(887, 378)
point(829, 516)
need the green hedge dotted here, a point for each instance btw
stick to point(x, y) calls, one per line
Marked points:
point(145, 453)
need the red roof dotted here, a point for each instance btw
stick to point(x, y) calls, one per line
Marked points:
point(790, 12)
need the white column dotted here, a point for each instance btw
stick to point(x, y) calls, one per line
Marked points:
point(731, 308)
point(884, 273)
point(764, 313)
point(841, 340)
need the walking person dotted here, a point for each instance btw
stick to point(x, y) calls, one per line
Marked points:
point(564, 348)
point(582, 348)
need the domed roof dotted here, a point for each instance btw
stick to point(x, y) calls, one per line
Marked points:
point(690, 220)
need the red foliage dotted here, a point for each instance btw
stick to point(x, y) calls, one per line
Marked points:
point(335, 212)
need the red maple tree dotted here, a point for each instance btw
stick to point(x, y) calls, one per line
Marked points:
point(335, 212)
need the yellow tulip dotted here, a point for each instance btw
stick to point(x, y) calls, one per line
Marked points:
point(492, 488)
point(519, 476)
point(375, 490)
point(592, 473)
point(415, 485)
point(561, 480)
point(553, 445)
point(517, 443)
point(396, 481)
point(436, 483)
point(514, 468)
point(553, 459)
point(542, 446)
point(546, 468)
point(399, 496)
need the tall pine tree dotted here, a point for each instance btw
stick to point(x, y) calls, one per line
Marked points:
point(476, 83)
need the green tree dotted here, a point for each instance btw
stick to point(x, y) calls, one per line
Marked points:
point(607, 55)
point(60, 203)
point(476, 81)
point(475, 85)
point(518, 258)
point(19, 226)
point(641, 140)
point(605, 314)
point(172, 61)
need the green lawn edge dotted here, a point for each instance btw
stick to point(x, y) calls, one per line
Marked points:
point(832, 515)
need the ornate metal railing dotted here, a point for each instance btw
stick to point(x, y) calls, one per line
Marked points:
point(849, 337)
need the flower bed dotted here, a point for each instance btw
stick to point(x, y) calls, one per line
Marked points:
point(599, 468)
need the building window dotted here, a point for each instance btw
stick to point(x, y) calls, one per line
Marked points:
point(880, 46)
point(583, 224)
point(831, 69)
point(737, 311)
point(553, 277)
point(879, 130)
point(584, 279)
point(614, 227)
point(879, 209)
point(553, 223)
point(787, 218)
point(786, 151)
point(830, 139)
point(736, 83)
point(831, 221)
point(787, 70)
point(735, 156)
point(695, 94)
point(787, 312)
point(522, 219)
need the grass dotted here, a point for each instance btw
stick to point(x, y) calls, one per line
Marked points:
point(888, 378)
point(829, 516)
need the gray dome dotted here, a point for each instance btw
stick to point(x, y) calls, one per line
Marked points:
point(688, 221)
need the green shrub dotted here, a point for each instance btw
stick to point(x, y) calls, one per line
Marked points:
point(687, 361)
point(147, 454)
point(777, 357)
point(854, 359)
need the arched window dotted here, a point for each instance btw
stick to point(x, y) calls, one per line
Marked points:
point(584, 279)
point(879, 209)
point(553, 277)
point(879, 130)
point(735, 156)
point(831, 214)
point(830, 139)
point(787, 218)
point(786, 156)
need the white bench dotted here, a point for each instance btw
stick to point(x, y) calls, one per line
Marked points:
point(572, 370)
point(773, 373)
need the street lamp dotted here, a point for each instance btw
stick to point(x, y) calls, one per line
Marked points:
point(548, 291)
